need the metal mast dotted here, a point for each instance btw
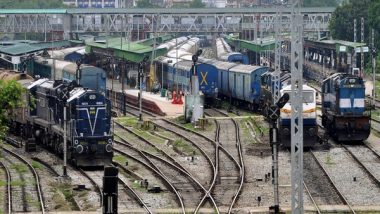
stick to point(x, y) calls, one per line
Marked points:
point(373, 67)
point(276, 97)
point(354, 64)
point(296, 98)
point(362, 53)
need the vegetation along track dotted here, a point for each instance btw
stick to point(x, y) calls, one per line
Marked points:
point(169, 167)
point(26, 194)
point(230, 163)
point(367, 158)
point(321, 191)
point(138, 156)
point(332, 188)
point(8, 190)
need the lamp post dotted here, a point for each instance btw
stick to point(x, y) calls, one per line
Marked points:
point(140, 77)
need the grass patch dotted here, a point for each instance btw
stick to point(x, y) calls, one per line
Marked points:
point(329, 160)
point(375, 114)
point(36, 165)
point(63, 196)
point(127, 121)
point(3, 183)
point(18, 183)
point(120, 159)
point(136, 185)
point(184, 147)
point(20, 168)
point(31, 201)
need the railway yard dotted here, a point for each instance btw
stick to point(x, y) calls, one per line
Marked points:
point(240, 110)
point(168, 167)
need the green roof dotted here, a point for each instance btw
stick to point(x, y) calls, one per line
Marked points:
point(33, 11)
point(132, 51)
point(335, 44)
point(255, 46)
point(20, 47)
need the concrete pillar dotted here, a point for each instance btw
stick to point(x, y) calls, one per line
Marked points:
point(66, 23)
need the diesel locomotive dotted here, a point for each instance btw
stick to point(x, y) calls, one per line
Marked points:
point(41, 120)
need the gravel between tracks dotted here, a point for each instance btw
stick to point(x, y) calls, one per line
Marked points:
point(342, 169)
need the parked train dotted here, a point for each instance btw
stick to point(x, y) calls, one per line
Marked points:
point(343, 108)
point(41, 119)
point(91, 77)
point(225, 53)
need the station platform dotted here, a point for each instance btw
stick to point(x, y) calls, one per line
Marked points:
point(164, 105)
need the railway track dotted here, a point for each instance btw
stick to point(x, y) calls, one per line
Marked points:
point(368, 159)
point(141, 158)
point(323, 190)
point(27, 195)
point(8, 190)
point(175, 168)
point(229, 160)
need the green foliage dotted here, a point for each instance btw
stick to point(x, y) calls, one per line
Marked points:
point(196, 4)
point(145, 4)
point(342, 21)
point(36, 165)
point(31, 4)
point(10, 98)
point(321, 3)
point(20, 168)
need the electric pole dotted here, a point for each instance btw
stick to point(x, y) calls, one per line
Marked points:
point(373, 68)
point(296, 111)
point(276, 96)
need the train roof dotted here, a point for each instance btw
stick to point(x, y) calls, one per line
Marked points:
point(8, 75)
point(222, 65)
point(37, 82)
point(241, 68)
point(184, 65)
point(305, 87)
point(75, 93)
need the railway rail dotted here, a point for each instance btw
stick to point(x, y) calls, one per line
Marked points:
point(8, 199)
point(367, 158)
point(20, 174)
point(90, 177)
point(332, 183)
point(225, 157)
point(170, 162)
point(141, 158)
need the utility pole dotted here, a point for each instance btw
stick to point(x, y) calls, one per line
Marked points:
point(276, 96)
point(64, 140)
point(296, 111)
point(361, 50)
point(140, 77)
point(373, 67)
point(354, 61)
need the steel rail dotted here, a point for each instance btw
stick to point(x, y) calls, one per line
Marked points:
point(35, 175)
point(9, 188)
point(164, 178)
point(373, 177)
point(100, 191)
point(342, 198)
point(311, 198)
point(135, 195)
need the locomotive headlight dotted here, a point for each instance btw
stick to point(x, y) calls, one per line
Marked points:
point(76, 142)
point(110, 141)
point(79, 149)
point(109, 148)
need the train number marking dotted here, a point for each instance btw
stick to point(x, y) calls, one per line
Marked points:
point(204, 75)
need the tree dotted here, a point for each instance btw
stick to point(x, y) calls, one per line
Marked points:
point(10, 98)
point(196, 4)
point(321, 3)
point(144, 4)
point(342, 20)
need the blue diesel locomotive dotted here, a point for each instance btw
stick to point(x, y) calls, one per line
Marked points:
point(343, 108)
point(88, 116)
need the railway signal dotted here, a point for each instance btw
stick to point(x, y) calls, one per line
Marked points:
point(110, 190)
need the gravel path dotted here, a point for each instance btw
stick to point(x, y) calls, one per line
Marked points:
point(343, 169)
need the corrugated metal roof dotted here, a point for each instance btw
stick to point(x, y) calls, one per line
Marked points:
point(19, 48)
point(194, 10)
point(33, 11)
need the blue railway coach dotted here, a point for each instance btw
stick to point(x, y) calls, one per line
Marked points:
point(245, 83)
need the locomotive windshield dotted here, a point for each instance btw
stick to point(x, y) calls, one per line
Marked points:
point(308, 96)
